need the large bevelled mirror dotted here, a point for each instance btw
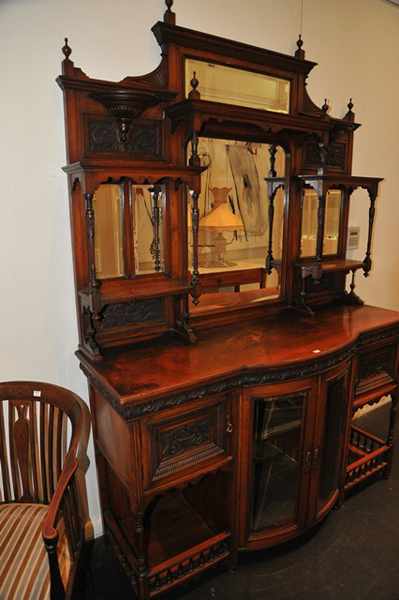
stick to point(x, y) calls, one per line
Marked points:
point(233, 228)
point(230, 85)
point(129, 230)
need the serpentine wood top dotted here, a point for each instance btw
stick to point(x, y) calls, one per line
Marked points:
point(163, 367)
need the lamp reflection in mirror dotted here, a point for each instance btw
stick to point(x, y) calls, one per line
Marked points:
point(221, 219)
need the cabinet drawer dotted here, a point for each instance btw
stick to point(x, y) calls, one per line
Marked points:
point(375, 368)
point(177, 440)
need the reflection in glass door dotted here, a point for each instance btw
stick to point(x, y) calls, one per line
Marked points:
point(278, 424)
point(333, 437)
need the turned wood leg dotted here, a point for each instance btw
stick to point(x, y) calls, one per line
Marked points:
point(143, 590)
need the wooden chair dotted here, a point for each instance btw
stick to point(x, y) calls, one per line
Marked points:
point(44, 432)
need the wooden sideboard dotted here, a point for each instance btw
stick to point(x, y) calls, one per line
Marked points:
point(193, 463)
point(227, 351)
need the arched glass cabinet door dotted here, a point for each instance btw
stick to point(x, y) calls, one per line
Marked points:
point(282, 428)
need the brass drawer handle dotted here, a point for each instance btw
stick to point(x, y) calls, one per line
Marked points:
point(229, 427)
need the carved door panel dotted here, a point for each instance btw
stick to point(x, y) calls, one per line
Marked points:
point(180, 442)
point(328, 452)
point(281, 441)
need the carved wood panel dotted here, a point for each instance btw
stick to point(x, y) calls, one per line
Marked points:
point(180, 440)
point(376, 368)
point(144, 139)
point(336, 156)
point(139, 311)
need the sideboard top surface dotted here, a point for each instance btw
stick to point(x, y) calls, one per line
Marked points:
point(152, 370)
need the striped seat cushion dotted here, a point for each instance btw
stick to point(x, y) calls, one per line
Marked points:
point(24, 570)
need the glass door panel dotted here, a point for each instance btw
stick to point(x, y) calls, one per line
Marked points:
point(278, 424)
point(332, 438)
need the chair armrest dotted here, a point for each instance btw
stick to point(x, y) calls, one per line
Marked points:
point(49, 530)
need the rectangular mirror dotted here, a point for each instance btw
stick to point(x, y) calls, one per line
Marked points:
point(332, 222)
point(310, 204)
point(129, 230)
point(108, 232)
point(148, 204)
point(229, 85)
point(233, 232)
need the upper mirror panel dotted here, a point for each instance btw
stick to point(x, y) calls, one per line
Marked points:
point(233, 233)
point(229, 85)
point(129, 230)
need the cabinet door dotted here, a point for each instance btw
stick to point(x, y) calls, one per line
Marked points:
point(180, 442)
point(331, 423)
point(282, 433)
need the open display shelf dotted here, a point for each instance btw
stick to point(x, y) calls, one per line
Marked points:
point(181, 543)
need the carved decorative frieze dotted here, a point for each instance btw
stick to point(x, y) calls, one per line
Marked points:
point(335, 155)
point(127, 313)
point(143, 139)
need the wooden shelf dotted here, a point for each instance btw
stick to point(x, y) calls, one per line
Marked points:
point(139, 172)
point(341, 264)
point(330, 265)
point(252, 121)
point(125, 290)
point(373, 396)
point(340, 179)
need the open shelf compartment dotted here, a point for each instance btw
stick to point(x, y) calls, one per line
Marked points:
point(186, 537)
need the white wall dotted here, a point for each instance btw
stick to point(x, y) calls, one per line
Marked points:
point(356, 43)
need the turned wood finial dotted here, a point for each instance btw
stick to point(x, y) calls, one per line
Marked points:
point(169, 16)
point(194, 94)
point(66, 49)
point(299, 52)
point(350, 115)
point(325, 106)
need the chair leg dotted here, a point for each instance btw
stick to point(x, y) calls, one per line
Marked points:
point(57, 591)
